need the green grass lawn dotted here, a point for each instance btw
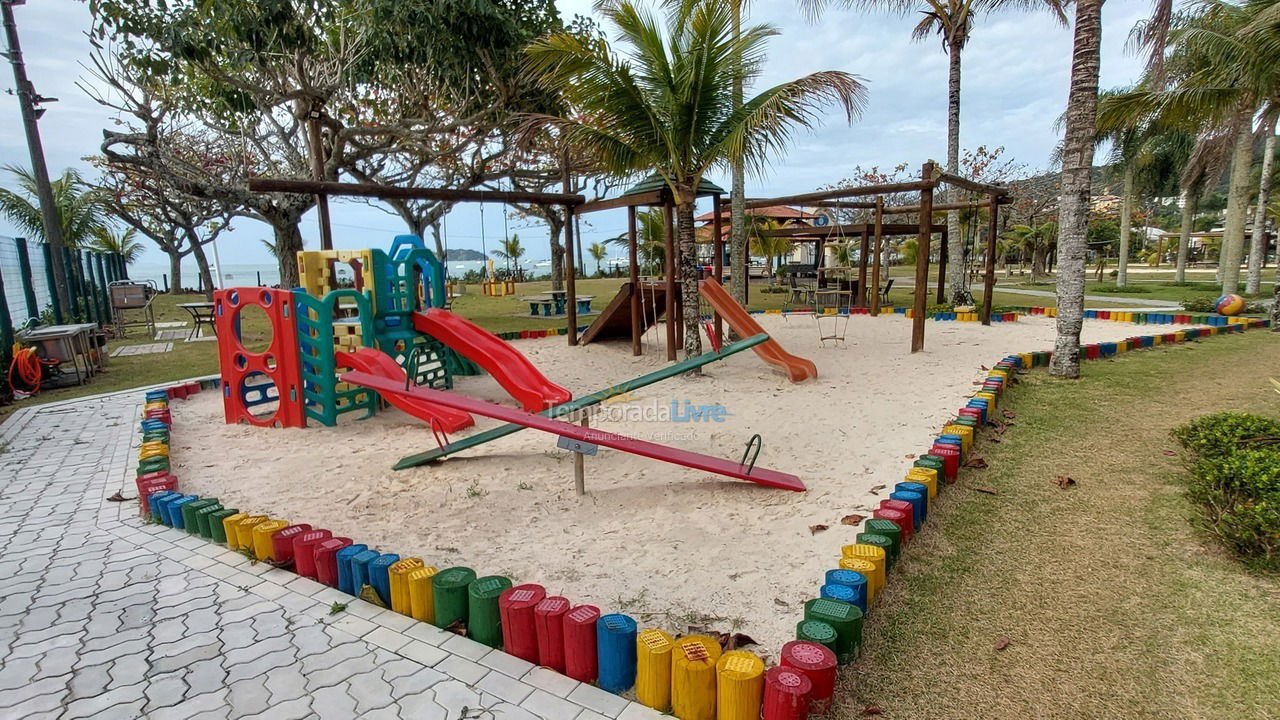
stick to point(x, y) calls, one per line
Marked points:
point(1023, 600)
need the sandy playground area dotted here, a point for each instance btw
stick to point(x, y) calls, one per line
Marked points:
point(672, 546)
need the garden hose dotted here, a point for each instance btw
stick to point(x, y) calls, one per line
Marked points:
point(29, 370)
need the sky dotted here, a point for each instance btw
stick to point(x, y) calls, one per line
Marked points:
point(1016, 74)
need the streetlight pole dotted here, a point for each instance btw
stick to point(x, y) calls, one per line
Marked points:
point(28, 98)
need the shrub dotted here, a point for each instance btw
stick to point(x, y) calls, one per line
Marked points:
point(939, 307)
point(1209, 304)
point(1236, 480)
point(1127, 289)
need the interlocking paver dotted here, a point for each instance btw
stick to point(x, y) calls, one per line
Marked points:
point(105, 616)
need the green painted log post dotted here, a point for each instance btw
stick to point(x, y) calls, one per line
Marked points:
point(449, 594)
point(28, 286)
point(100, 267)
point(483, 620)
point(845, 618)
point(49, 283)
point(888, 529)
point(6, 333)
point(584, 402)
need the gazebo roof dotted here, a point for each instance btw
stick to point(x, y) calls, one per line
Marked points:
point(655, 182)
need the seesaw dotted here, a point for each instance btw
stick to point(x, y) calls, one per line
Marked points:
point(643, 448)
point(586, 401)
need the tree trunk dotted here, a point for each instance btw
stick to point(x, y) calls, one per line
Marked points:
point(737, 195)
point(1073, 207)
point(1275, 306)
point(1039, 256)
point(288, 243)
point(956, 282)
point(175, 271)
point(435, 235)
point(688, 263)
point(555, 225)
point(1126, 226)
point(202, 264)
point(1190, 206)
point(1237, 203)
point(1258, 244)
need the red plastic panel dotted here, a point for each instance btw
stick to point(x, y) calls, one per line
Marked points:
point(278, 364)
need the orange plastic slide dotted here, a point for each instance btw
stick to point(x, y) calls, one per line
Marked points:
point(376, 362)
point(512, 370)
point(797, 368)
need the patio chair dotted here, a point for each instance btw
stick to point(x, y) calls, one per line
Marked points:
point(884, 293)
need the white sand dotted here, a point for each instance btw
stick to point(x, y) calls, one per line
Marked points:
point(667, 544)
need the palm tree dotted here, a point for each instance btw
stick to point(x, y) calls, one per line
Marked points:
point(598, 253)
point(511, 251)
point(665, 105)
point(952, 21)
point(1034, 241)
point(125, 244)
point(1077, 169)
point(80, 206)
point(764, 244)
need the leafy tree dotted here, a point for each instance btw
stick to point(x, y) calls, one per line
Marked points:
point(665, 104)
point(1034, 241)
point(763, 244)
point(79, 205)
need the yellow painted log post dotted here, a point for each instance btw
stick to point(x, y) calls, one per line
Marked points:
point(398, 575)
point(422, 602)
point(693, 677)
point(873, 553)
point(739, 686)
point(262, 532)
point(229, 525)
point(244, 531)
point(653, 669)
point(966, 435)
point(868, 570)
point(925, 476)
point(991, 399)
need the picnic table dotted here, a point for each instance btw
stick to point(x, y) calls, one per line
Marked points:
point(554, 303)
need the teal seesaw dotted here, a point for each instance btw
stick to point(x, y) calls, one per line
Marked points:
point(586, 401)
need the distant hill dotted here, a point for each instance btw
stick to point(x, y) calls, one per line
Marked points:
point(464, 255)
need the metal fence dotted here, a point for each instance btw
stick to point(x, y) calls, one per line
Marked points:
point(26, 288)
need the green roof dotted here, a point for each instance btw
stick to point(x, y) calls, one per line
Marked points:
point(655, 182)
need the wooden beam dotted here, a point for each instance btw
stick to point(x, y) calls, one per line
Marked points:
point(653, 197)
point(974, 185)
point(845, 204)
point(373, 190)
point(943, 207)
point(633, 274)
point(875, 260)
point(989, 277)
point(863, 249)
point(863, 191)
point(922, 262)
point(812, 234)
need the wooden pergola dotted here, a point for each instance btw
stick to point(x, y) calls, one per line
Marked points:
point(930, 179)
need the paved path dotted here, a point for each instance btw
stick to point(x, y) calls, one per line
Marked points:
point(104, 616)
point(1136, 302)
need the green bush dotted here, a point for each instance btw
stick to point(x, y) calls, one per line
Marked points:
point(939, 307)
point(1127, 289)
point(1236, 480)
point(1209, 304)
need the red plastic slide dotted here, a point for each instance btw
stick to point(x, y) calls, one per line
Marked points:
point(376, 362)
point(635, 446)
point(797, 368)
point(512, 370)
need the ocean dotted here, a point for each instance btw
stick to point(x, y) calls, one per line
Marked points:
point(249, 274)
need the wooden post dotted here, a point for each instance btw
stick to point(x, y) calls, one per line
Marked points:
point(922, 261)
point(875, 260)
point(718, 264)
point(570, 277)
point(670, 256)
point(863, 249)
point(317, 172)
point(989, 278)
point(633, 274)
point(943, 259)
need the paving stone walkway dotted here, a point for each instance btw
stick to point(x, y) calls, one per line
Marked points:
point(104, 616)
point(144, 349)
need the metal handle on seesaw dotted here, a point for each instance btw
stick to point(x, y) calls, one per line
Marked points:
point(757, 442)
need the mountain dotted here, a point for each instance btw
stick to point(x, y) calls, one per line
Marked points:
point(464, 255)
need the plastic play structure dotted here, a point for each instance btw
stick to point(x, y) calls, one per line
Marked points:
point(389, 339)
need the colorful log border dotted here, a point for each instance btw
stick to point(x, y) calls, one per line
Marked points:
point(688, 676)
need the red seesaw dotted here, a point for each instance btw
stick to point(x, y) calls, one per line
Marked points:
point(644, 448)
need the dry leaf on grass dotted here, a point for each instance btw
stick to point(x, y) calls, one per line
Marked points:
point(781, 603)
point(976, 462)
point(1170, 452)
point(876, 490)
point(1002, 643)
point(994, 439)
point(1064, 481)
point(872, 710)
point(1009, 414)
point(815, 529)
point(853, 519)
point(985, 489)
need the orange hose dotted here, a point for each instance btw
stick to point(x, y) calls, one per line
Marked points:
point(27, 364)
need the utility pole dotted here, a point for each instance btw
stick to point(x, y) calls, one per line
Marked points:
point(28, 99)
